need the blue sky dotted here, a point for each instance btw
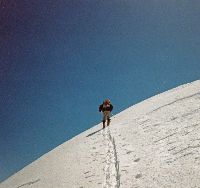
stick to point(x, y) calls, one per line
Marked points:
point(60, 59)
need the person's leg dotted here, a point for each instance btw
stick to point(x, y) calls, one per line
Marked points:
point(108, 118)
point(104, 119)
point(104, 124)
point(108, 121)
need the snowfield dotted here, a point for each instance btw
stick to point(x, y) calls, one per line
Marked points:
point(154, 144)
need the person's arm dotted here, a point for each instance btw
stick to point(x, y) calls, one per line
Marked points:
point(100, 108)
point(111, 107)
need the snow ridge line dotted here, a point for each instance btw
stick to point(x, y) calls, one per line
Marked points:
point(29, 183)
point(112, 164)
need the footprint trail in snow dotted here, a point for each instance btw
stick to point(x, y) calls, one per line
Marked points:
point(112, 176)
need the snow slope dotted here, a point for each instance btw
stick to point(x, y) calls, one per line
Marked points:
point(153, 144)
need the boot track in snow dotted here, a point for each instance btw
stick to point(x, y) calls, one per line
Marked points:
point(112, 179)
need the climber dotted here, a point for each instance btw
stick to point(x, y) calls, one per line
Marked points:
point(106, 109)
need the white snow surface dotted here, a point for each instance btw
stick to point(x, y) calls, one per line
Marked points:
point(153, 144)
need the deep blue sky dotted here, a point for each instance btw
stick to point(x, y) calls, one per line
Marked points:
point(60, 59)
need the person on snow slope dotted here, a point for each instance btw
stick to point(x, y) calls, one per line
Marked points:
point(106, 109)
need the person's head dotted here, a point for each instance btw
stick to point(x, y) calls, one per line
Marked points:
point(107, 101)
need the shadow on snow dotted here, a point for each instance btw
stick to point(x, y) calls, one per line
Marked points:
point(93, 133)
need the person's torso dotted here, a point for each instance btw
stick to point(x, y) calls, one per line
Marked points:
point(106, 107)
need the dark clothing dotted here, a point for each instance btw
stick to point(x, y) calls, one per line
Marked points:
point(104, 107)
